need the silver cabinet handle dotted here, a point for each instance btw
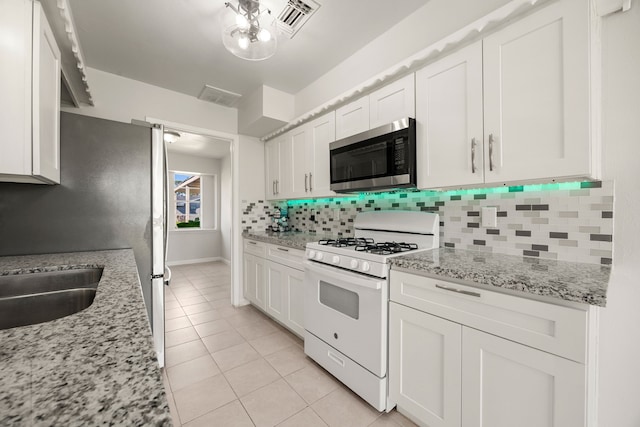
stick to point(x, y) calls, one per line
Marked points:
point(283, 249)
point(490, 151)
point(473, 155)
point(273, 187)
point(458, 291)
point(306, 188)
point(277, 192)
point(310, 182)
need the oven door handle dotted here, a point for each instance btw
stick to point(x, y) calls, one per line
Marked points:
point(354, 279)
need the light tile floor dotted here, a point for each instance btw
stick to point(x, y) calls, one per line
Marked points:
point(228, 366)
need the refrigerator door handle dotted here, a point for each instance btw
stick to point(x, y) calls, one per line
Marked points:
point(167, 275)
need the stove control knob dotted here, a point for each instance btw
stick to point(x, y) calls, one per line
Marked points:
point(354, 263)
point(311, 254)
point(319, 256)
point(365, 266)
point(335, 259)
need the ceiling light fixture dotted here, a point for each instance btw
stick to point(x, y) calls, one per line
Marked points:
point(171, 136)
point(248, 37)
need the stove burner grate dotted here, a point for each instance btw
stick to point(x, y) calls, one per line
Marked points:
point(346, 241)
point(386, 248)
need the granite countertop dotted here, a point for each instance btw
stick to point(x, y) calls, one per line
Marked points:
point(583, 283)
point(290, 239)
point(97, 366)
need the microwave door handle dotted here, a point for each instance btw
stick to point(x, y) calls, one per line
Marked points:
point(351, 278)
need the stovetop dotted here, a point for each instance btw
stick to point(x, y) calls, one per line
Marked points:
point(369, 245)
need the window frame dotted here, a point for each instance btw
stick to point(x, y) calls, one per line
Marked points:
point(203, 212)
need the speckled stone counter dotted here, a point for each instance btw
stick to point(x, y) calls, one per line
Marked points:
point(584, 283)
point(94, 367)
point(290, 239)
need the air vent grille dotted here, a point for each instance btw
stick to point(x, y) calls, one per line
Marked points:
point(295, 14)
point(219, 96)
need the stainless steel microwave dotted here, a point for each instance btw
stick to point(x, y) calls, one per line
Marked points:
point(380, 158)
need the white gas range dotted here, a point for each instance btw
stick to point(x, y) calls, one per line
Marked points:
point(346, 296)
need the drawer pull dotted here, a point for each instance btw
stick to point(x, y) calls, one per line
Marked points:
point(458, 291)
point(335, 358)
point(251, 243)
point(283, 249)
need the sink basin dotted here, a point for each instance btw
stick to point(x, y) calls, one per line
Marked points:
point(27, 299)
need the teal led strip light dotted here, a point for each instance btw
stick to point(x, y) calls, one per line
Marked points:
point(430, 193)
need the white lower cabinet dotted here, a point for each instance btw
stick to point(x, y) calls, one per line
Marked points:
point(506, 384)
point(285, 296)
point(445, 371)
point(424, 366)
point(254, 280)
point(274, 282)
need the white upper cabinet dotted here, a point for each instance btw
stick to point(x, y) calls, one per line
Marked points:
point(449, 126)
point(298, 161)
point(392, 102)
point(352, 118)
point(514, 107)
point(297, 169)
point(273, 167)
point(536, 96)
point(321, 132)
point(387, 104)
point(30, 84)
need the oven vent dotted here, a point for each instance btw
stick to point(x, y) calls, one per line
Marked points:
point(219, 96)
point(294, 15)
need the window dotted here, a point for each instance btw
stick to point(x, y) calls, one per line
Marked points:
point(188, 199)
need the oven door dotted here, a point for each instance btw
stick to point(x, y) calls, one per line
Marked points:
point(348, 311)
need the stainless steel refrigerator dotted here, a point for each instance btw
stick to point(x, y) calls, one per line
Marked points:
point(112, 195)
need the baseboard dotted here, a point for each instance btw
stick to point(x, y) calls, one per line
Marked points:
point(226, 261)
point(196, 261)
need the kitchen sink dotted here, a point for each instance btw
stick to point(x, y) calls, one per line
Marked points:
point(27, 299)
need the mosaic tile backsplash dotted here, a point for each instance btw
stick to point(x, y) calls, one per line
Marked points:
point(567, 221)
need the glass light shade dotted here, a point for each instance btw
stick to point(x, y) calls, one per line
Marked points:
point(264, 35)
point(234, 38)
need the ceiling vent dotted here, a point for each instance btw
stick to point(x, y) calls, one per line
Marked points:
point(295, 14)
point(219, 96)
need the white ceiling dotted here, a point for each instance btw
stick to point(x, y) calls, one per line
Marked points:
point(199, 145)
point(176, 44)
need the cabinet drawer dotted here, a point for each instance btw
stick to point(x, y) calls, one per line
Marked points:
point(287, 256)
point(255, 248)
point(555, 329)
point(362, 382)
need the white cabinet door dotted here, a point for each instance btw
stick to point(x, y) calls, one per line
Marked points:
point(321, 132)
point(352, 118)
point(276, 302)
point(449, 149)
point(30, 88)
point(536, 96)
point(505, 384)
point(298, 173)
point(295, 300)
point(254, 279)
point(46, 99)
point(273, 167)
point(15, 87)
point(424, 366)
point(392, 102)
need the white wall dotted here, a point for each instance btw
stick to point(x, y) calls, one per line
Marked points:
point(432, 22)
point(225, 207)
point(187, 245)
point(248, 184)
point(619, 339)
point(121, 99)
